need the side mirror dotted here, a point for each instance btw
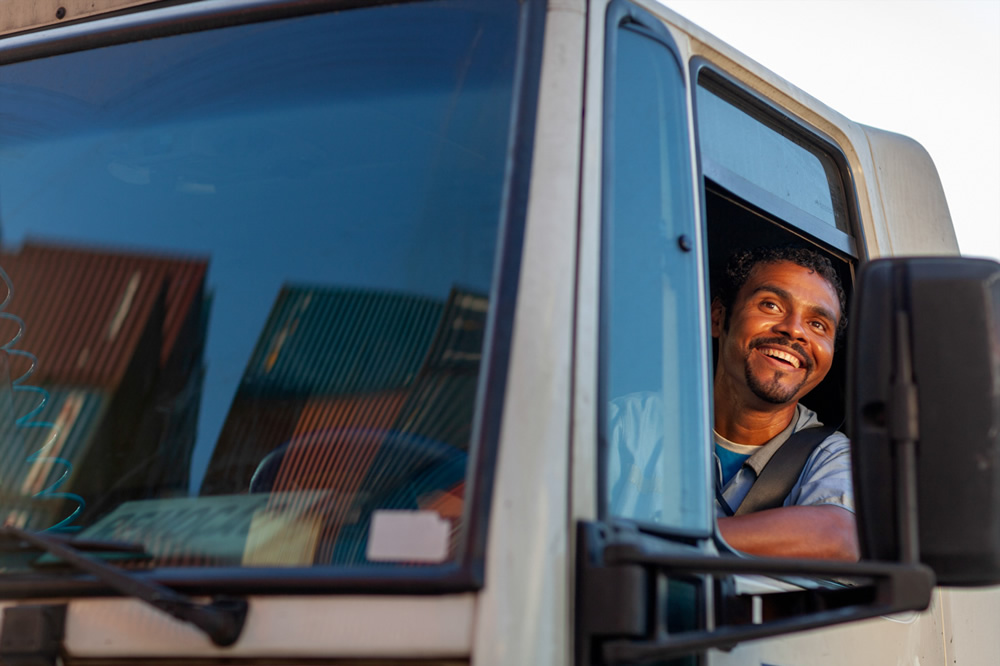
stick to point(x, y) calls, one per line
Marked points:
point(924, 414)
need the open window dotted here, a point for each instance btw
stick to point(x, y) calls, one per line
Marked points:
point(770, 181)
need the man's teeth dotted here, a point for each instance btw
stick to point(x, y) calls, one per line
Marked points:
point(782, 356)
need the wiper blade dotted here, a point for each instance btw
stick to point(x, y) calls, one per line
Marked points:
point(87, 545)
point(222, 619)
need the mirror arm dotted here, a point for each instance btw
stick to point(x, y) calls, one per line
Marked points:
point(904, 422)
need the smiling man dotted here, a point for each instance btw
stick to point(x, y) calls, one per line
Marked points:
point(777, 318)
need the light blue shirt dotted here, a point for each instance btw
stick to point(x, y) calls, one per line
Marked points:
point(635, 483)
point(825, 478)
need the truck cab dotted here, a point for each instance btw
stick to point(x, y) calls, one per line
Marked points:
point(315, 313)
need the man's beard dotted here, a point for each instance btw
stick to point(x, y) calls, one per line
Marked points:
point(773, 391)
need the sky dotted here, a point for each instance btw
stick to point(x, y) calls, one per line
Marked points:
point(928, 69)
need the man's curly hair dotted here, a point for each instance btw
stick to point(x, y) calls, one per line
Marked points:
point(741, 264)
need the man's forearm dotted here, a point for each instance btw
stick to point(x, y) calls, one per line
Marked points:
point(822, 532)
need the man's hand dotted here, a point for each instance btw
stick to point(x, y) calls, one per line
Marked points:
point(825, 532)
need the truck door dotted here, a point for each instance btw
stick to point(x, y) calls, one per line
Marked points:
point(695, 166)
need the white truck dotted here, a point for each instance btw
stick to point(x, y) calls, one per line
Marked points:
point(314, 310)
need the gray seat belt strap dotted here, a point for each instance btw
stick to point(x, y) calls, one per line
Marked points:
point(781, 472)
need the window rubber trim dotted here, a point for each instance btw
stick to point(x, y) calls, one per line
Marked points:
point(161, 20)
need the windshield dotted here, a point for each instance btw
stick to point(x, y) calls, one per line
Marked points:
point(245, 278)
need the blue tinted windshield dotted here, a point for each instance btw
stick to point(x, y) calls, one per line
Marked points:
point(247, 276)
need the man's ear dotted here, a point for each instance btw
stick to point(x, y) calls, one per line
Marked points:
point(718, 317)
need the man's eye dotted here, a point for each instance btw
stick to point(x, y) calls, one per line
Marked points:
point(769, 305)
point(819, 326)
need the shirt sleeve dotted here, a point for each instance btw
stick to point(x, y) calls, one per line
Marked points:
point(826, 476)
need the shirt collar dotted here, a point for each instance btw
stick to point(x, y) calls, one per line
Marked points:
point(803, 418)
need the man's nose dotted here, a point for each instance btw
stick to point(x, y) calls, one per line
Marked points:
point(792, 326)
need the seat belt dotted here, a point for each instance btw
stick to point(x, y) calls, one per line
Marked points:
point(781, 472)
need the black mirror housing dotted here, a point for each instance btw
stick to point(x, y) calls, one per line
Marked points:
point(924, 414)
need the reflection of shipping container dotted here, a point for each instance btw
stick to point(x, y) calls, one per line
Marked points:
point(86, 311)
point(324, 344)
point(257, 425)
point(128, 328)
point(337, 341)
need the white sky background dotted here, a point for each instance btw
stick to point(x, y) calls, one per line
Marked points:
point(929, 69)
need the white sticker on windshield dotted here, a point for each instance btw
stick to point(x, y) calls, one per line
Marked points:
point(408, 536)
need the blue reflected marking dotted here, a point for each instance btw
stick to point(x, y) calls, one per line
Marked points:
point(27, 419)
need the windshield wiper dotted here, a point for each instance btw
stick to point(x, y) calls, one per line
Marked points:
point(222, 619)
point(11, 542)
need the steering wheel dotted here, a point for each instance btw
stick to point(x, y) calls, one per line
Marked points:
point(373, 460)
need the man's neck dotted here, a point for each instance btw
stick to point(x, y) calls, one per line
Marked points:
point(751, 425)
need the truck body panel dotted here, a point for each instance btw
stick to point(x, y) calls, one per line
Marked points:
point(514, 597)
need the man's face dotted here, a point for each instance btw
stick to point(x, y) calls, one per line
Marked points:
point(781, 335)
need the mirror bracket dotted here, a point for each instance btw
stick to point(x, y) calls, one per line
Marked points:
point(620, 574)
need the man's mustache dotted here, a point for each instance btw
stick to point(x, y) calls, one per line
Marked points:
point(783, 342)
